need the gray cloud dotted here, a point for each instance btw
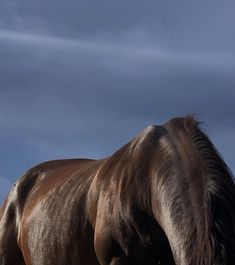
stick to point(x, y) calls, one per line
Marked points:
point(81, 79)
point(90, 70)
point(104, 84)
point(181, 25)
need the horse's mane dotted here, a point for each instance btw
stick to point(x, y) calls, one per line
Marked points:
point(218, 242)
point(150, 163)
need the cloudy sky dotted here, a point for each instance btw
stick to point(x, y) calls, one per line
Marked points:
point(81, 78)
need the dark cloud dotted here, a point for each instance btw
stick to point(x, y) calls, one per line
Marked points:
point(183, 24)
point(125, 80)
point(81, 79)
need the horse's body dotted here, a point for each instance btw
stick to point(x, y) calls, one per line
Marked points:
point(166, 197)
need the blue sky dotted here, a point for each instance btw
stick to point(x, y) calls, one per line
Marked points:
point(81, 78)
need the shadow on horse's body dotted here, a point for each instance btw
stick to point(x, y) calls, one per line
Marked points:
point(166, 197)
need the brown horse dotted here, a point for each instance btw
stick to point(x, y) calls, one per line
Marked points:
point(166, 197)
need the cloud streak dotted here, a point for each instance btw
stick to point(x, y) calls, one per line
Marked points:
point(149, 52)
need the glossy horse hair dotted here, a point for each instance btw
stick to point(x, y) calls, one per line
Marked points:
point(196, 192)
point(166, 197)
point(218, 240)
